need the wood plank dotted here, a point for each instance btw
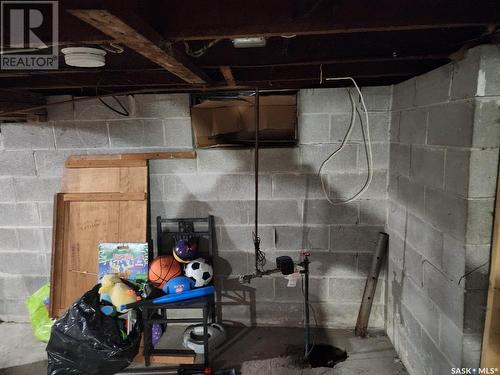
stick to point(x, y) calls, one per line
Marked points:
point(104, 163)
point(57, 249)
point(124, 160)
point(365, 308)
point(490, 356)
point(162, 155)
point(96, 197)
point(133, 38)
point(228, 75)
point(166, 360)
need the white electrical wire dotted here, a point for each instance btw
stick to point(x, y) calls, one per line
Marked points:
point(368, 146)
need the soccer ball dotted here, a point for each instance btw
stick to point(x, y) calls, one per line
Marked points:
point(200, 272)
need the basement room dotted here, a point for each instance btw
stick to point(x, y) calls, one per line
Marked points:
point(249, 187)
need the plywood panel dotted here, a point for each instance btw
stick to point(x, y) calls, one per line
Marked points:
point(133, 179)
point(105, 180)
point(98, 204)
point(134, 230)
point(84, 225)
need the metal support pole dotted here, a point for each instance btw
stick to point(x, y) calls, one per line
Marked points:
point(307, 326)
point(256, 240)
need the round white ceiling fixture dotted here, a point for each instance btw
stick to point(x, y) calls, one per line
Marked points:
point(84, 57)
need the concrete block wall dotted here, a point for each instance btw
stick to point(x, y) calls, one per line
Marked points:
point(442, 180)
point(293, 212)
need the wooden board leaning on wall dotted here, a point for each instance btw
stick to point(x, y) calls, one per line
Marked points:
point(490, 356)
point(104, 198)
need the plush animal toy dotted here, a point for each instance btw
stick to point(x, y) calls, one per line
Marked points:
point(114, 290)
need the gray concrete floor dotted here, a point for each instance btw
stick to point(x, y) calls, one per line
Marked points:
point(20, 352)
point(262, 351)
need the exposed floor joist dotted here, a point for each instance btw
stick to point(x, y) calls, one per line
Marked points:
point(397, 45)
point(241, 76)
point(238, 18)
point(151, 48)
point(377, 43)
point(228, 75)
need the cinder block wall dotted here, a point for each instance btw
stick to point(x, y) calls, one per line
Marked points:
point(442, 180)
point(293, 213)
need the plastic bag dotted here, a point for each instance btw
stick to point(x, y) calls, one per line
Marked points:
point(39, 315)
point(84, 341)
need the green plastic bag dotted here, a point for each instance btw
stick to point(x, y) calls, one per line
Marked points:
point(39, 314)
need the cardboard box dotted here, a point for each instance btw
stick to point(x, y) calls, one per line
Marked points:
point(232, 122)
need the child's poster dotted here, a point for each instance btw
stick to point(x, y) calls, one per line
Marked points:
point(127, 260)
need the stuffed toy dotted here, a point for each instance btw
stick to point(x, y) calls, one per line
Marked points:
point(114, 290)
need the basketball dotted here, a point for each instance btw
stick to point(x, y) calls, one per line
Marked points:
point(162, 269)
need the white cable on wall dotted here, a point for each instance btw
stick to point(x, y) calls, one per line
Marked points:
point(368, 145)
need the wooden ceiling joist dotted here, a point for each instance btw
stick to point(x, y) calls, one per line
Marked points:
point(226, 19)
point(146, 78)
point(151, 46)
point(12, 103)
point(377, 42)
point(301, 29)
point(325, 62)
point(228, 75)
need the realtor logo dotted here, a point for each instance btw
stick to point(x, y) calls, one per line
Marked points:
point(29, 35)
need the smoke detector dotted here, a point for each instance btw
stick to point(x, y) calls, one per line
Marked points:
point(84, 57)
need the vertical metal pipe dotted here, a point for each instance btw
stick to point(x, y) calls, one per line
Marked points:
point(256, 171)
point(307, 333)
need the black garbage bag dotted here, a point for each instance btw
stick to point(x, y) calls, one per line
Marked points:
point(84, 341)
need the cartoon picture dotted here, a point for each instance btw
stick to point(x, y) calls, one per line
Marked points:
point(127, 260)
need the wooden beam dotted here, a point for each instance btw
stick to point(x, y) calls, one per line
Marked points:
point(345, 48)
point(104, 197)
point(263, 84)
point(228, 75)
point(123, 160)
point(329, 62)
point(329, 70)
point(236, 64)
point(161, 155)
point(75, 162)
point(306, 82)
point(361, 328)
point(13, 101)
point(258, 83)
point(249, 31)
point(490, 356)
point(239, 18)
point(151, 46)
point(152, 79)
